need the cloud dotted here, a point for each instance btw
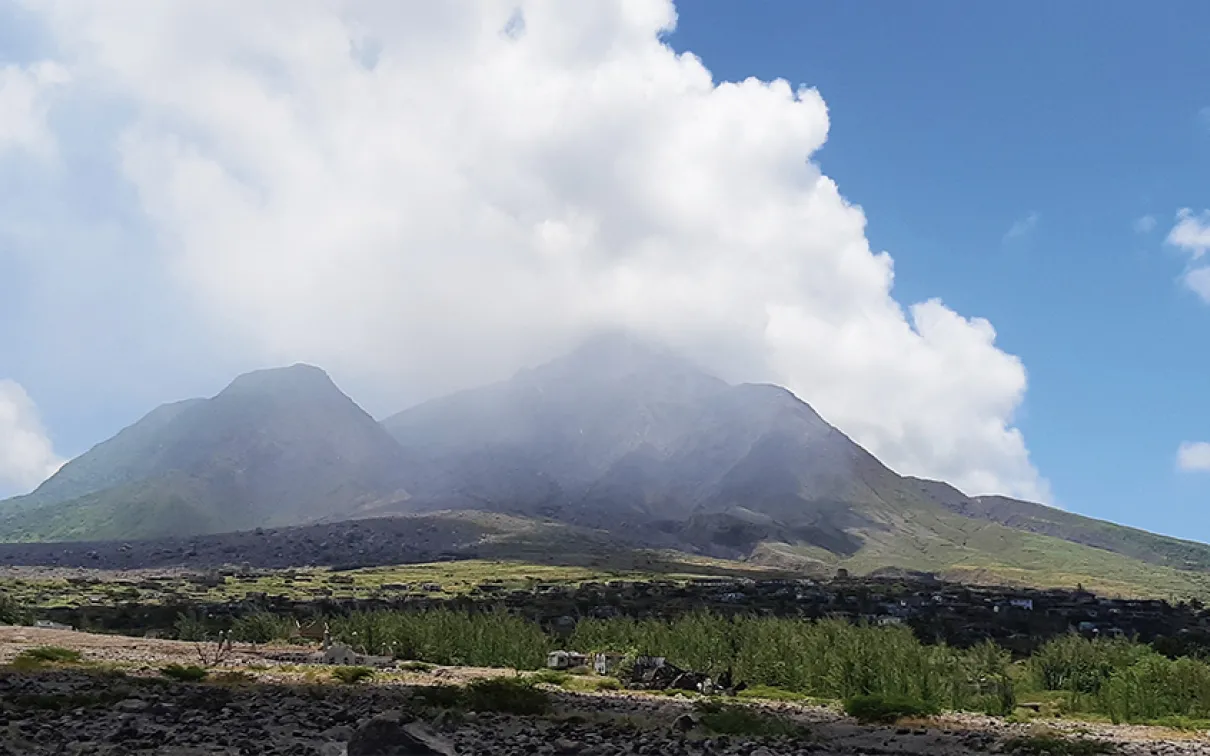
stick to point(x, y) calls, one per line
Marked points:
point(1022, 227)
point(1145, 225)
point(26, 455)
point(425, 198)
point(25, 92)
point(1193, 456)
point(1191, 235)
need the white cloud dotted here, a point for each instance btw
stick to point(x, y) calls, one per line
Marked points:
point(1193, 456)
point(1022, 227)
point(26, 455)
point(24, 102)
point(1191, 234)
point(1145, 225)
point(428, 198)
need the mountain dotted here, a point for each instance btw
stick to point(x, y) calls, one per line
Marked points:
point(629, 437)
point(276, 447)
point(620, 439)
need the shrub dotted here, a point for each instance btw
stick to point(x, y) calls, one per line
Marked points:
point(1155, 688)
point(508, 695)
point(351, 675)
point(416, 666)
point(183, 673)
point(446, 637)
point(261, 627)
point(885, 709)
point(48, 655)
point(549, 677)
point(737, 719)
point(190, 627)
point(12, 611)
point(1080, 666)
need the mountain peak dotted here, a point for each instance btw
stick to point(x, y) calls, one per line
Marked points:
point(297, 378)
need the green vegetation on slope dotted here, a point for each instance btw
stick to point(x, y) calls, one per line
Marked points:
point(931, 539)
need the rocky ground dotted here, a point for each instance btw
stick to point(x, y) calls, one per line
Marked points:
point(119, 705)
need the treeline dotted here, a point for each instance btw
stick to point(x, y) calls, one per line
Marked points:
point(828, 659)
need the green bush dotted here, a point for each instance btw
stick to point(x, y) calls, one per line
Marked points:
point(48, 655)
point(549, 677)
point(12, 611)
point(445, 637)
point(261, 627)
point(1080, 666)
point(508, 695)
point(190, 627)
point(886, 709)
point(352, 675)
point(737, 719)
point(830, 659)
point(183, 673)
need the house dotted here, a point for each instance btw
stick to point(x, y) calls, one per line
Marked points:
point(565, 660)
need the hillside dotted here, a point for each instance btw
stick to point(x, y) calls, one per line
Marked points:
point(276, 447)
point(621, 439)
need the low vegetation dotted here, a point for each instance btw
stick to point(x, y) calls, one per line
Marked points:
point(43, 655)
point(490, 639)
point(352, 675)
point(185, 673)
point(741, 720)
point(870, 709)
point(1056, 745)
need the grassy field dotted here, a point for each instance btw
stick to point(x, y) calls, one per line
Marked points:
point(46, 588)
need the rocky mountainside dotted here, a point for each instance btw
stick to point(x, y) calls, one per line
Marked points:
point(276, 447)
point(619, 438)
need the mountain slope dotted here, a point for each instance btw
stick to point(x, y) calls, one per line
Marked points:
point(1043, 520)
point(276, 447)
point(623, 436)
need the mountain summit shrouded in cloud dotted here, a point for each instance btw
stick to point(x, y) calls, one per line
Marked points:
point(424, 198)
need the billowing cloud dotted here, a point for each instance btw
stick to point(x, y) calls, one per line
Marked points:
point(1191, 234)
point(429, 198)
point(26, 455)
point(1193, 456)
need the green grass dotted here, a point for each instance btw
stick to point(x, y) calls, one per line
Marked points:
point(870, 709)
point(43, 655)
point(745, 721)
point(770, 693)
point(352, 675)
point(185, 673)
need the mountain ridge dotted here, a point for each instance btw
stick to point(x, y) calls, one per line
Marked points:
point(619, 436)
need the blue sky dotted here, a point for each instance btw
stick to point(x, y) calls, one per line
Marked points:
point(1005, 155)
point(953, 121)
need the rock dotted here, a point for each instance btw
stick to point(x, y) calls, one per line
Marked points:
point(387, 736)
point(132, 706)
point(566, 746)
point(684, 723)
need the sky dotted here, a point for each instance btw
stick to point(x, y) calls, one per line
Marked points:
point(973, 236)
